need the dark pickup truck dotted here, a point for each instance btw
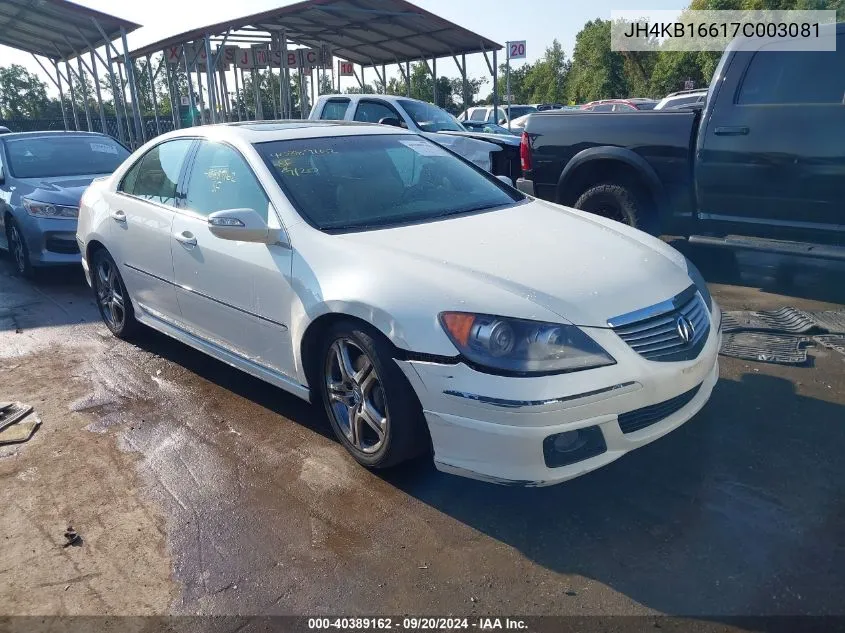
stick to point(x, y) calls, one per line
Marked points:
point(762, 166)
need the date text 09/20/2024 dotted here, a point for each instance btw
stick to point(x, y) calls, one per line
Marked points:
point(415, 623)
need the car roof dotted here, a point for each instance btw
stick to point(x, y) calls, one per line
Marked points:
point(389, 98)
point(262, 131)
point(45, 133)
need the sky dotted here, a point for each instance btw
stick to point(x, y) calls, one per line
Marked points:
point(536, 21)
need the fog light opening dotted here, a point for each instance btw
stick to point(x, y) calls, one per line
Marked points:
point(569, 441)
point(569, 447)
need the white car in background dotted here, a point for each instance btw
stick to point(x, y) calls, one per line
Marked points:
point(411, 114)
point(683, 98)
point(421, 301)
point(485, 113)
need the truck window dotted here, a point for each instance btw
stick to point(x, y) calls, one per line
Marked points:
point(375, 111)
point(479, 114)
point(795, 77)
point(334, 110)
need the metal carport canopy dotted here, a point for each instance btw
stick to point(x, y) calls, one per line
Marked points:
point(367, 32)
point(56, 29)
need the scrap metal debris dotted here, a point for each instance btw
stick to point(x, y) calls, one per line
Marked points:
point(11, 412)
point(784, 349)
point(781, 320)
point(773, 336)
point(14, 428)
point(72, 538)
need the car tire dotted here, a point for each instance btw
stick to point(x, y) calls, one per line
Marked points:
point(111, 296)
point(18, 248)
point(354, 398)
point(612, 201)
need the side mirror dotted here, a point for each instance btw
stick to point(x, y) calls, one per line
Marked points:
point(241, 225)
point(390, 120)
point(503, 121)
point(506, 179)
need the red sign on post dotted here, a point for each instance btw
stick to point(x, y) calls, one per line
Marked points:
point(346, 69)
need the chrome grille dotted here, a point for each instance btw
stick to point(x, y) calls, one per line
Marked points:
point(654, 332)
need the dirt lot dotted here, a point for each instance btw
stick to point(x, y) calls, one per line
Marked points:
point(197, 489)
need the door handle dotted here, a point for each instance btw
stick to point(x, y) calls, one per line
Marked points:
point(118, 216)
point(731, 131)
point(187, 238)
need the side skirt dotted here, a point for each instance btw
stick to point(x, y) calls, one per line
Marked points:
point(158, 322)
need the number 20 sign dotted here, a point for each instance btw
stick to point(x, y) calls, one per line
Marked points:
point(516, 50)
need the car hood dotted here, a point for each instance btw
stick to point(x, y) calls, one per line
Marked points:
point(498, 139)
point(560, 259)
point(65, 190)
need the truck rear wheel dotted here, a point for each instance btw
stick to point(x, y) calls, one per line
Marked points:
point(615, 202)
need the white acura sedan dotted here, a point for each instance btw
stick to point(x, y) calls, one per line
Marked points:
point(426, 304)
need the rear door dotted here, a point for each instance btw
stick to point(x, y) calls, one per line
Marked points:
point(234, 294)
point(771, 161)
point(142, 210)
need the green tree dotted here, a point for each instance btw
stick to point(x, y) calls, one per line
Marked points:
point(545, 81)
point(597, 72)
point(22, 94)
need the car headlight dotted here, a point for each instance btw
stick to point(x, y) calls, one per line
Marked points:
point(47, 210)
point(520, 346)
point(699, 282)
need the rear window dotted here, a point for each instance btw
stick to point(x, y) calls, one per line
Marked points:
point(48, 156)
point(795, 77)
point(360, 182)
point(478, 115)
point(518, 111)
point(335, 110)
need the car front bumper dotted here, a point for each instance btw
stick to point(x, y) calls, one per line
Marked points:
point(500, 429)
point(50, 241)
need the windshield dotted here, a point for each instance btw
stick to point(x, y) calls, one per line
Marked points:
point(43, 157)
point(360, 182)
point(430, 118)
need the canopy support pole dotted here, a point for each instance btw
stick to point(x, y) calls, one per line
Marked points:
point(191, 102)
point(153, 93)
point(58, 85)
point(212, 88)
point(133, 90)
point(99, 93)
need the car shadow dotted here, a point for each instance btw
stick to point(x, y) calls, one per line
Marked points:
point(741, 511)
point(738, 512)
point(55, 296)
point(804, 277)
point(234, 380)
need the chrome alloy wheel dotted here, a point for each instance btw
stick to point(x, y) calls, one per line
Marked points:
point(356, 396)
point(110, 295)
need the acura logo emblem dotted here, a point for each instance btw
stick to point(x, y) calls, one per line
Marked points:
point(685, 328)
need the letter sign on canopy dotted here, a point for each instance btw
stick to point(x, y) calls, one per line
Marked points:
point(244, 58)
point(516, 50)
